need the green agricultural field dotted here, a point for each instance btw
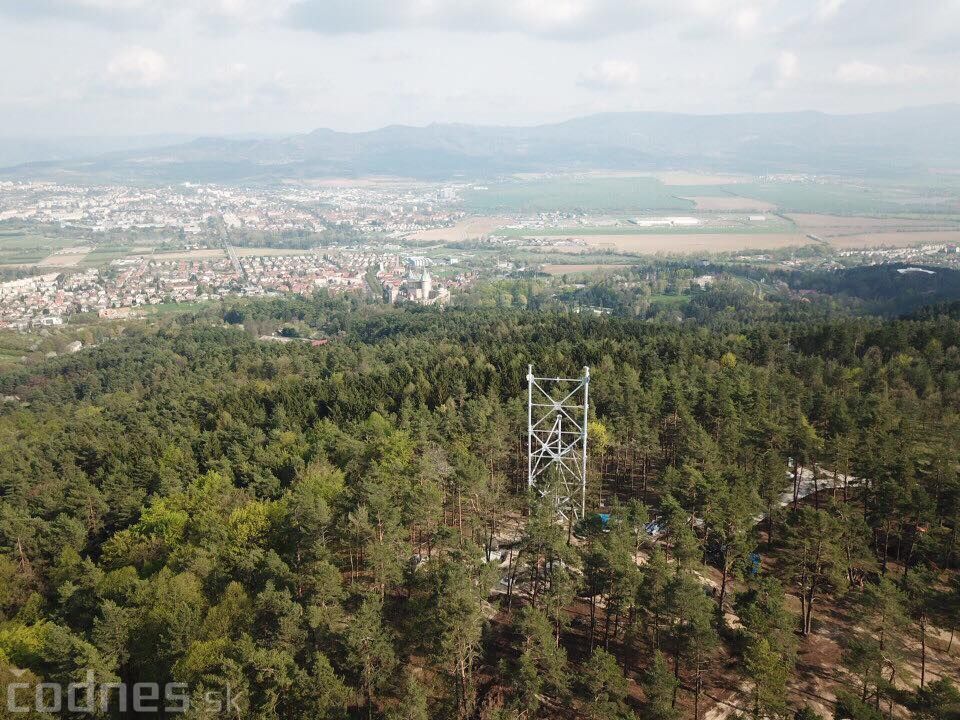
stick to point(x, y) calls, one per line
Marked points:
point(585, 257)
point(103, 254)
point(588, 194)
point(677, 300)
point(765, 228)
point(21, 257)
point(173, 308)
point(639, 194)
point(838, 198)
point(21, 246)
point(14, 346)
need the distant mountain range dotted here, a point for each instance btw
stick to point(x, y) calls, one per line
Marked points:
point(891, 143)
point(19, 150)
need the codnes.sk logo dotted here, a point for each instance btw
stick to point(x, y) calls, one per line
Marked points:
point(95, 698)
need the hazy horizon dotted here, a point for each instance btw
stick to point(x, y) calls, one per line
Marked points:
point(239, 67)
point(156, 139)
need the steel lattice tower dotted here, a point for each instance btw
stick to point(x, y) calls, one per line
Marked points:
point(557, 412)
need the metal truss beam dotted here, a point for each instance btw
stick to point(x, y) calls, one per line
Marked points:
point(557, 420)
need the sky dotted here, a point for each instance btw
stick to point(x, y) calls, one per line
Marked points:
point(227, 67)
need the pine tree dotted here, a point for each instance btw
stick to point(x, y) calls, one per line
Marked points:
point(659, 687)
point(454, 619)
point(729, 520)
point(770, 479)
point(693, 636)
point(884, 607)
point(370, 650)
point(412, 704)
point(604, 688)
point(939, 700)
point(815, 562)
point(919, 588)
point(769, 673)
point(651, 593)
point(763, 613)
point(541, 671)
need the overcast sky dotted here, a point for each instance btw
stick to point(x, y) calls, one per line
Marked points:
point(121, 67)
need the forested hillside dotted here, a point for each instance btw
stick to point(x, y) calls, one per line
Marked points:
point(344, 531)
point(893, 288)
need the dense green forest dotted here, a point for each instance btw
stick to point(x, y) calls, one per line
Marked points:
point(663, 289)
point(344, 531)
point(887, 288)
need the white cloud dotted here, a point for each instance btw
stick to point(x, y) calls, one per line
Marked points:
point(826, 9)
point(861, 73)
point(581, 19)
point(124, 14)
point(569, 19)
point(240, 12)
point(611, 75)
point(136, 68)
point(777, 73)
point(391, 56)
point(787, 64)
point(724, 17)
point(246, 64)
point(747, 20)
point(238, 87)
point(110, 5)
point(550, 15)
point(904, 25)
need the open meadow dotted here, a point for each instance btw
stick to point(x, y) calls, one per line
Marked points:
point(834, 225)
point(606, 212)
point(66, 258)
point(587, 194)
point(637, 193)
point(584, 269)
point(683, 243)
point(730, 203)
point(23, 246)
point(468, 229)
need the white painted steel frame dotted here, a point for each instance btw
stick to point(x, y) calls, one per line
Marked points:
point(557, 423)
